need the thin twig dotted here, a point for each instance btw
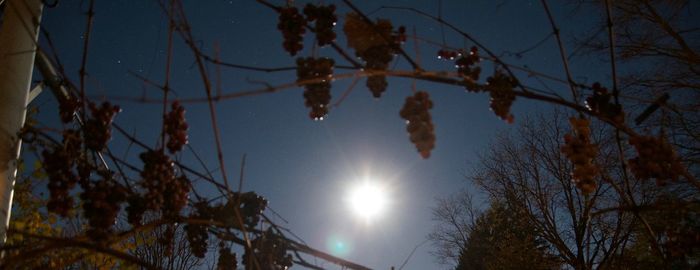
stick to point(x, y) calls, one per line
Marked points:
point(83, 63)
point(611, 39)
point(562, 53)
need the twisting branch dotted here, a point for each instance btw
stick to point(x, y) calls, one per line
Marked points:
point(564, 60)
point(611, 39)
point(83, 63)
point(72, 243)
point(189, 40)
point(465, 35)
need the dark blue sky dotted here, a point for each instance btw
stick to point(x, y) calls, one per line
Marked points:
point(304, 167)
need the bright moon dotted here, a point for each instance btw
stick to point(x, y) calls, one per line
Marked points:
point(368, 200)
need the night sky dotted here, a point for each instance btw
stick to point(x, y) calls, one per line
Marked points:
point(305, 167)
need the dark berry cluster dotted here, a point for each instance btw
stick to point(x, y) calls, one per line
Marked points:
point(270, 251)
point(467, 67)
point(377, 58)
point(176, 128)
point(292, 25)
point(325, 22)
point(98, 129)
point(500, 87)
point(248, 204)
point(67, 107)
point(58, 165)
point(176, 195)
point(317, 94)
point(157, 175)
point(419, 123)
point(251, 206)
point(656, 159)
point(101, 204)
point(581, 152)
point(400, 36)
point(227, 259)
point(197, 234)
point(447, 54)
point(601, 103)
point(136, 207)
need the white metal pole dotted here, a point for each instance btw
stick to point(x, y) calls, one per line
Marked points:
point(18, 37)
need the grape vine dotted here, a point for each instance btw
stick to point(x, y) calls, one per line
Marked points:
point(419, 123)
point(317, 94)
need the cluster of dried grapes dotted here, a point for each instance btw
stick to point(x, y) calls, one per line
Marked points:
point(60, 162)
point(601, 103)
point(656, 159)
point(419, 123)
point(157, 176)
point(98, 129)
point(318, 94)
point(101, 204)
point(58, 165)
point(197, 234)
point(325, 21)
point(227, 259)
point(581, 152)
point(500, 87)
point(176, 195)
point(251, 206)
point(447, 54)
point(269, 251)
point(376, 44)
point(467, 67)
point(135, 208)
point(377, 58)
point(292, 25)
point(400, 36)
point(176, 128)
point(67, 108)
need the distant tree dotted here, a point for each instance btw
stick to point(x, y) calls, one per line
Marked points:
point(528, 171)
point(503, 238)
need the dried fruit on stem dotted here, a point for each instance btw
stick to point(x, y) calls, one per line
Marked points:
point(98, 129)
point(292, 25)
point(376, 44)
point(58, 166)
point(197, 234)
point(227, 259)
point(467, 67)
point(419, 123)
point(377, 58)
point(325, 21)
point(601, 103)
point(317, 94)
point(581, 152)
point(500, 87)
point(656, 159)
point(157, 174)
point(176, 128)
point(270, 251)
point(101, 204)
